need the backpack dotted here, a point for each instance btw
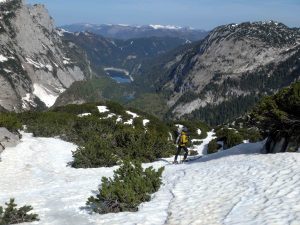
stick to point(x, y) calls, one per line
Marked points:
point(184, 139)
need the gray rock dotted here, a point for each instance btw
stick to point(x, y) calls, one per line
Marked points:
point(8, 139)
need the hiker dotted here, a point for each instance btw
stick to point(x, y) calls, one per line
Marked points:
point(182, 141)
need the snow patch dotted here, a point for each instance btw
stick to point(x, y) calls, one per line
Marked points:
point(7, 71)
point(168, 27)
point(27, 100)
point(199, 131)
point(179, 127)
point(44, 94)
point(129, 122)
point(66, 61)
point(84, 114)
point(134, 115)
point(102, 109)
point(3, 58)
point(39, 65)
point(109, 116)
point(145, 122)
point(119, 119)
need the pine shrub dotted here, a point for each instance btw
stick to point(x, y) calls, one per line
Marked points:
point(213, 146)
point(94, 154)
point(130, 186)
point(102, 142)
point(230, 137)
point(12, 215)
point(10, 121)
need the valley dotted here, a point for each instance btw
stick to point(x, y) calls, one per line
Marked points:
point(147, 124)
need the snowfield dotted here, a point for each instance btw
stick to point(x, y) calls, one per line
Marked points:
point(44, 94)
point(237, 186)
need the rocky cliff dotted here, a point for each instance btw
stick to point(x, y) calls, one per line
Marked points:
point(36, 65)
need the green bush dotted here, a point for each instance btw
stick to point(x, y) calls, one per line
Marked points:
point(48, 124)
point(233, 139)
point(102, 142)
point(116, 108)
point(230, 137)
point(193, 153)
point(251, 134)
point(78, 109)
point(197, 142)
point(12, 215)
point(213, 146)
point(10, 121)
point(279, 113)
point(94, 154)
point(130, 186)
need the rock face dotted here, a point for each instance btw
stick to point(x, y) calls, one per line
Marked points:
point(35, 64)
point(7, 139)
point(234, 61)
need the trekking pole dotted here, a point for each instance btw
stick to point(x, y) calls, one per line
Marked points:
point(180, 157)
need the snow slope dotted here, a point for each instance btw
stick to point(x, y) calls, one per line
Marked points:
point(44, 94)
point(237, 186)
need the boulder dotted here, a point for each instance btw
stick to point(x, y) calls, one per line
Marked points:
point(8, 139)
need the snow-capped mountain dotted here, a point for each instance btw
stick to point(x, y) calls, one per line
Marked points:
point(123, 31)
point(36, 65)
point(234, 64)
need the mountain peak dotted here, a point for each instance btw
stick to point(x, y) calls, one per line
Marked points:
point(170, 27)
point(269, 32)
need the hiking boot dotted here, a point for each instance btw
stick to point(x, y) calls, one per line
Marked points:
point(175, 162)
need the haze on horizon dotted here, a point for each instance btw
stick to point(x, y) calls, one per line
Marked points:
point(202, 14)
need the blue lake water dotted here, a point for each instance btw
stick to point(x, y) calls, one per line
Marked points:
point(118, 76)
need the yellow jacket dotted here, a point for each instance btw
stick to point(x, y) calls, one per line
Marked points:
point(182, 139)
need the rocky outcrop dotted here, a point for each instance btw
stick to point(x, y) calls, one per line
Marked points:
point(35, 64)
point(7, 139)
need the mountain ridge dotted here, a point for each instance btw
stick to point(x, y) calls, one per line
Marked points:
point(230, 62)
point(125, 32)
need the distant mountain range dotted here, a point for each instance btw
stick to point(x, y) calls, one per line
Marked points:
point(125, 32)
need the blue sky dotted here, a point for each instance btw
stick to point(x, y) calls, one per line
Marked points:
point(204, 14)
